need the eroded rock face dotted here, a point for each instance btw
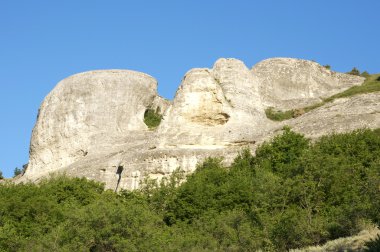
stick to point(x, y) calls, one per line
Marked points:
point(215, 107)
point(287, 83)
point(85, 110)
point(91, 125)
point(342, 115)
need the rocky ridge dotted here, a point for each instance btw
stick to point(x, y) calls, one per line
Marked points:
point(92, 124)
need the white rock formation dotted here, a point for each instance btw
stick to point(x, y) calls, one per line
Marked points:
point(215, 107)
point(91, 124)
point(86, 110)
point(341, 115)
point(287, 83)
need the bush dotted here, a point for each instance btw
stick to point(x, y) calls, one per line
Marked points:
point(365, 74)
point(17, 171)
point(327, 67)
point(373, 245)
point(277, 115)
point(152, 118)
point(1, 175)
point(354, 71)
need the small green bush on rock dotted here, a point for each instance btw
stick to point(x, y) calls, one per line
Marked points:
point(277, 115)
point(152, 118)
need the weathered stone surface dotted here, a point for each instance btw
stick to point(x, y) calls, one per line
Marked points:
point(287, 83)
point(91, 124)
point(342, 115)
point(84, 111)
point(215, 107)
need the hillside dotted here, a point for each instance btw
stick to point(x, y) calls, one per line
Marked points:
point(113, 127)
point(370, 85)
point(292, 193)
point(120, 168)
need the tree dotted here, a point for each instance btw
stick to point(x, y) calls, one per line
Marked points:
point(354, 71)
point(1, 175)
point(17, 171)
point(365, 74)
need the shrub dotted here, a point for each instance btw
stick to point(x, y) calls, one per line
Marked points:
point(17, 171)
point(365, 74)
point(354, 71)
point(327, 67)
point(152, 118)
point(373, 245)
point(1, 175)
point(277, 115)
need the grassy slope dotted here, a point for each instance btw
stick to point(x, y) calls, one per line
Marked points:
point(371, 84)
point(352, 243)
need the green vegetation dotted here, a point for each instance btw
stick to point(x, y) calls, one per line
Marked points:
point(17, 171)
point(152, 118)
point(354, 71)
point(1, 175)
point(365, 74)
point(292, 194)
point(373, 245)
point(370, 85)
point(278, 115)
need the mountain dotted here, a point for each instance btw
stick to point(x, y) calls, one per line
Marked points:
point(113, 127)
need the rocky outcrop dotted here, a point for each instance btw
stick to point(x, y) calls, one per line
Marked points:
point(86, 110)
point(342, 115)
point(287, 83)
point(215, 107)
point(92, 124)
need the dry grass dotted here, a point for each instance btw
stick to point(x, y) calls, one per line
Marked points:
point(348, 244)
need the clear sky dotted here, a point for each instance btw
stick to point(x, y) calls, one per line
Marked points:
point(42, 42)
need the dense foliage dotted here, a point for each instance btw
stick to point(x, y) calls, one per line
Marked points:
point(292, 193)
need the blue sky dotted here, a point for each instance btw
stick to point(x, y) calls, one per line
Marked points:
point(42, 42)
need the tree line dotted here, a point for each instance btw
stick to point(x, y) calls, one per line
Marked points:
point(292, 193)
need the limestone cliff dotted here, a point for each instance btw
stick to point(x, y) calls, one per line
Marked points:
point(92, 124)
point(287, 83)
